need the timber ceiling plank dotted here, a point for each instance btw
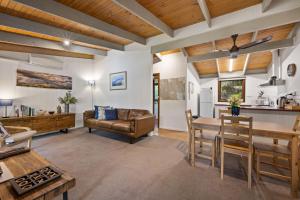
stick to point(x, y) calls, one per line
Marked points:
point(260, 60)
point(238, 64)
point(19, 10)
point(200, 49)
point(277, 33)
point(222, 7)
point(206, 67)
point(176, 14)
point(111, 13)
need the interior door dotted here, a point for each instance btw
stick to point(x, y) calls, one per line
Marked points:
point(156, 101)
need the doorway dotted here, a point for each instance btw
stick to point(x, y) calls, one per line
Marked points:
point(156, 102)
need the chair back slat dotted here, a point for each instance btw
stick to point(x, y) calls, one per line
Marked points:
point(224, 111)
point(296, 126)
point(237, 128)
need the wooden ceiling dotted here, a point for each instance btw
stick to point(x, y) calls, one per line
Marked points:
point(176, 14)
point(13, 8)
point(257, 61)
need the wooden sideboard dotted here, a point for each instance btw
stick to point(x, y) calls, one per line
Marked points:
point(44, 123)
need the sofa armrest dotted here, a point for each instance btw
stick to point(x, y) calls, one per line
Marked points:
point(144, 125)
point(89, 114)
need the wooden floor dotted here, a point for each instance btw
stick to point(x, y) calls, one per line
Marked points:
point(178, 135)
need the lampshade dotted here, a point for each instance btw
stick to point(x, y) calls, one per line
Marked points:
point(6, 102)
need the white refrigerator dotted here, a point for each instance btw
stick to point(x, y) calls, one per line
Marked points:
point(206, 102)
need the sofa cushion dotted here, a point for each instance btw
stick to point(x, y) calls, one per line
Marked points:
point(105, 123)
point(123, 113)
point(111, 114)
point(134, 113)
point(121, 126)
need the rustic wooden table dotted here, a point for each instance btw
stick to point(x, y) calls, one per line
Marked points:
point(264, 129)
point(25, 163)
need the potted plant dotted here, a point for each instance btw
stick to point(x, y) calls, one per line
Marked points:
point(235, 103)
point(67, 100)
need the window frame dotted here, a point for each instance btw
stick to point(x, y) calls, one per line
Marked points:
point(243, 89)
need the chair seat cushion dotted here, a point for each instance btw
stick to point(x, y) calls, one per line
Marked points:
point(122, 126)
point(271, 148)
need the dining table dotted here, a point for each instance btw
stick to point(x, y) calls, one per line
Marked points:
point(260, 128)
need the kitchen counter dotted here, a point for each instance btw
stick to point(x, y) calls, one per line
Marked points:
point(264, 113)
point(263, 108)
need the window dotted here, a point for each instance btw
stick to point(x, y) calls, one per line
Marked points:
point(227, 88)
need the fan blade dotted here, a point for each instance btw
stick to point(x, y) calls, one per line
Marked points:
point(208, 56)
point(257, 42)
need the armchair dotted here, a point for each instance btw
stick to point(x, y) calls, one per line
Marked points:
point(20, 135)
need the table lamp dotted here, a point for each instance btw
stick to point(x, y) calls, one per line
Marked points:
point(5, 103)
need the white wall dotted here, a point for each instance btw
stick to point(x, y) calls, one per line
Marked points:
point(292, 83)
point(138, 65)
point(172, 112)
point(79, 69)
point(192, 101)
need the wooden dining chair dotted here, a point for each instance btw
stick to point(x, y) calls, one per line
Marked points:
point(280, 152)
point(237, 144)
point(202, 137)
point(224, 112)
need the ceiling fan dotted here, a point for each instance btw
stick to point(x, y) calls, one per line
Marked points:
point(235, 50)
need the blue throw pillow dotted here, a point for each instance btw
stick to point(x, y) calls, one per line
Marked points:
point(99, 112)
point(111, 114)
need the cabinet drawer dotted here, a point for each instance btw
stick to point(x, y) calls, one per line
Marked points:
point(65, 121)
point(44, 124)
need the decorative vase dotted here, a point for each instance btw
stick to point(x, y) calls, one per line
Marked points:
point(67, 107)
point(58, 109)
point(235, 111)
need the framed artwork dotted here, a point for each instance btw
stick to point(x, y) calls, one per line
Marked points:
point(173, 89)
point(118, 81)
point(27, 78)
point(227, 88)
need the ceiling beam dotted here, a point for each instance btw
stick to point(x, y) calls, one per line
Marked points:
point(6, 46)
point(293, 34)
point(262, 47)
point(23, 24)
point(264, 22)
point(265, 5)
point(205, 11)
point(185, 53)
point(248, 54)
point(144, 14)
point(58, 9)
point(217, 60)
point(31, 41)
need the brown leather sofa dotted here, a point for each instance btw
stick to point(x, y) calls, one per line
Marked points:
point(131, 122)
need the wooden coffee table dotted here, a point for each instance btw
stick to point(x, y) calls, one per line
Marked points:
point(28, 162)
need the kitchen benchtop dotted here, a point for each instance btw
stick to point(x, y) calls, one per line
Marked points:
point(255, 107)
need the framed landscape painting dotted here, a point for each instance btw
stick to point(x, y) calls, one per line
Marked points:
point(118, 81)
point(227, 88)
point(27, 78)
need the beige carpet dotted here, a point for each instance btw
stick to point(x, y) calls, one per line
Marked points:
point(106, 167)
